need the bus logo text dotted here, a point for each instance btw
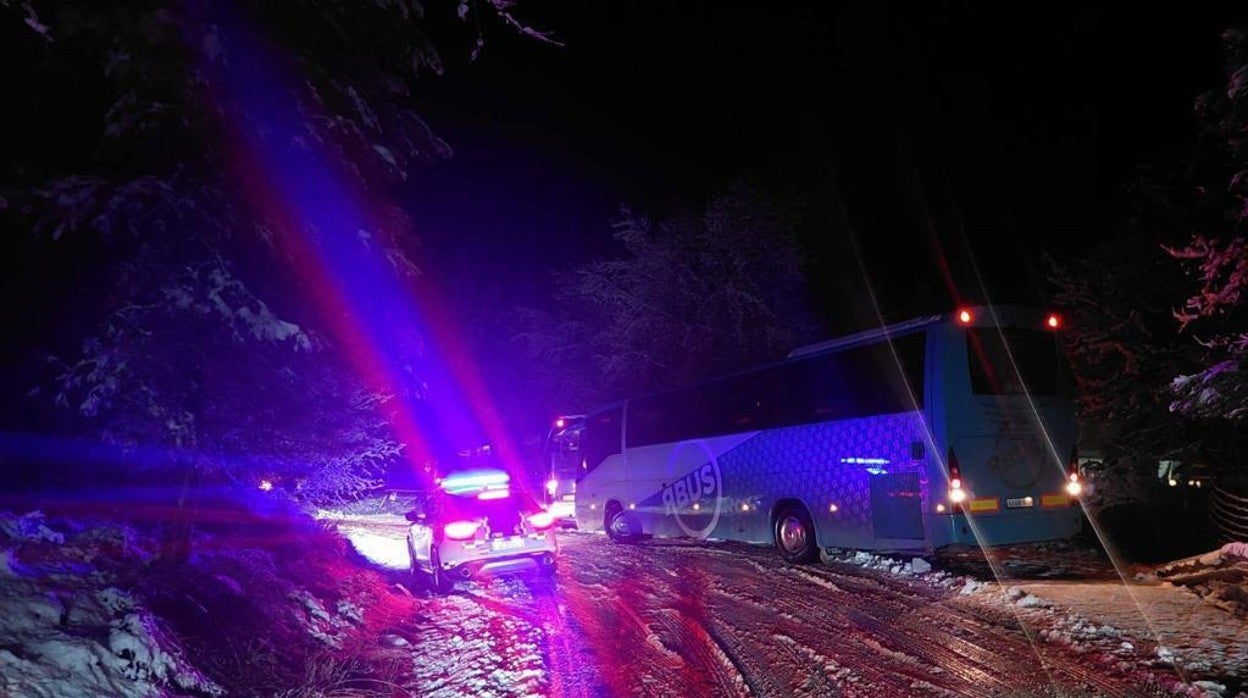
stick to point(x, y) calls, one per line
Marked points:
point(690, 488)
point(697, 494)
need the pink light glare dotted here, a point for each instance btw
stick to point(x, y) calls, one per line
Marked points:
point(308, 196)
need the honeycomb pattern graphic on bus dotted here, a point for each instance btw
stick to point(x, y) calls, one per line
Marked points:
point(825, 464)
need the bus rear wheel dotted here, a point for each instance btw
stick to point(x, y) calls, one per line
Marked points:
point(795, 534)
point(616, 525)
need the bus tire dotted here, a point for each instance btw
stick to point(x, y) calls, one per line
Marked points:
point(617, 528)
point(794, 533)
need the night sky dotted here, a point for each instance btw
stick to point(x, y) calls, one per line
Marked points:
point(939, 129)
point(936, 135)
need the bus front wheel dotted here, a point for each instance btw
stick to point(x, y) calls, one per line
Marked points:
point(617, 525)
point(795, 534)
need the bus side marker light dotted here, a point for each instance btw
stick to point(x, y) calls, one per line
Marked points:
point(965, 317)
point(632, 506)
point(940, 508)
point(696, 506)
point(745, 507)
point(833, 508)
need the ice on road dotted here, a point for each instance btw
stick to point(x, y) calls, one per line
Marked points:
point(667, 618)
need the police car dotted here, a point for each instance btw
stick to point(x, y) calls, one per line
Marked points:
point(475, 525)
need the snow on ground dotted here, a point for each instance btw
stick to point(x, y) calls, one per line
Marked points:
point(379, 538)
point(1157, 624)
point(66, 630)
point(468, 648)
point(1143, 621)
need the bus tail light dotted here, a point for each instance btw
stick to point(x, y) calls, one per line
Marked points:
point(541, 520)
point(957, 494)
point(460, 530)
point(965, 316)
point(1053, 321)
point(1073, 486)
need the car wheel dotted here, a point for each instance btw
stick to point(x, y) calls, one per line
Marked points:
point(616, 525)
point(411, 561)
point(795, 534)
point(437, 576)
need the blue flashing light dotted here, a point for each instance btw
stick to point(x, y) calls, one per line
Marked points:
point(475, 480)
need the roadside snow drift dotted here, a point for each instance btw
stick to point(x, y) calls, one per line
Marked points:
point(65, 630)
point(1220, 577)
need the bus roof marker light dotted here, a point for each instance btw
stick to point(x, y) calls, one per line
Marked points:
point(965, 317)
point(1053, 321)
point(833, 508)
point(560, 423)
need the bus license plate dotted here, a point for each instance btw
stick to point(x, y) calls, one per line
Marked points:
point(1019, 503)
point(508, 544)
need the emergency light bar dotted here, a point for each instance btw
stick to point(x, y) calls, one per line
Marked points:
point(479, 480)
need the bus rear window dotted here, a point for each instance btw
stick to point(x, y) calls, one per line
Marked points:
point(1030, 365)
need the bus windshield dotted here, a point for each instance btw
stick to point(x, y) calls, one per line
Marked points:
point(1029, 366)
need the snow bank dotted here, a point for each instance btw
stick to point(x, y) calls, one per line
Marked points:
point(67, 631)
point(1153, 626)
point(1219, 577)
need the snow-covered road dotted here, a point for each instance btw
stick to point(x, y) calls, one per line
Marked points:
point(681, 619)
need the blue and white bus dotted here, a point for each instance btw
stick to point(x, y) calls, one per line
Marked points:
point(949, 429)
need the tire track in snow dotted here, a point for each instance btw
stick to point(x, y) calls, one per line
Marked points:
point(924, 645)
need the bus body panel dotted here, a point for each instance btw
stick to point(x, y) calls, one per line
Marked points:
point(1013, 446)
point(877, 482)
point(862, 480)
